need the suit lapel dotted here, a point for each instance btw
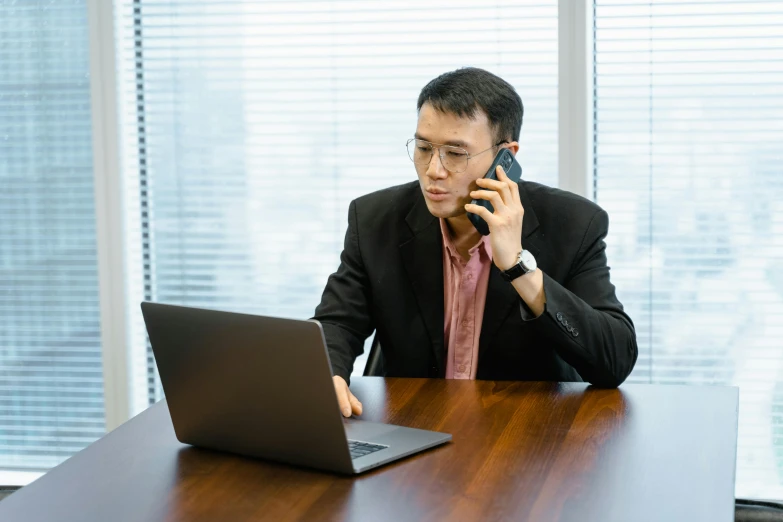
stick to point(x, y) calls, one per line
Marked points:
point(502, 297)
point(422, 256)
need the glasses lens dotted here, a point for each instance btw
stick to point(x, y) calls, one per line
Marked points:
point(420, 152)
point(454, 159)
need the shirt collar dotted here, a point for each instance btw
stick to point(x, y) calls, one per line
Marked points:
point(483, 245)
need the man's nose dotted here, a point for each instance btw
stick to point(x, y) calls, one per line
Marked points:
point(435, 169)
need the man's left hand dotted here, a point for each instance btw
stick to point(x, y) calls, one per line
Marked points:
point(505, 224)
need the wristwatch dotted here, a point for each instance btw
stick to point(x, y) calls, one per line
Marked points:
point(526, 263)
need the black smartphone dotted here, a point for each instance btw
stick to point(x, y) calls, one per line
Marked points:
point(513, 170)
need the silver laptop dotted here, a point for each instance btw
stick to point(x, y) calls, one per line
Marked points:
point(262, 387)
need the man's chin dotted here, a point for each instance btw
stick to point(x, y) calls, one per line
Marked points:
point(444, 210)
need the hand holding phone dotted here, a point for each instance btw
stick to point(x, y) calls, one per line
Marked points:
point(505, 158)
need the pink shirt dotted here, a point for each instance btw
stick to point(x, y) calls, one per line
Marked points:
point(465, 293)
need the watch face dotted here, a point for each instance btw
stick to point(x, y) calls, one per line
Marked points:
point(528, 261)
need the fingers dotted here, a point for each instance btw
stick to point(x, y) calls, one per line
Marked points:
point(508, 189)
point(489, 195)
point(341, 388)
point(348, 402)
point(503, 177)
point(482, 212)
point(498, 207)
point(500, 172)
point(513, 187)
point(502, 185)
point(356, 406)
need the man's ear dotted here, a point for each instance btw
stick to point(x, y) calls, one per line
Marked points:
point(512, 146)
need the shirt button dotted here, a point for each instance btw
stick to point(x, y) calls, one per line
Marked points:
point(469, 277)
point(465, 322)
point(461, 368)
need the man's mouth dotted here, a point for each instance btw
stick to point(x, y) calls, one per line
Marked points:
point(436, 194)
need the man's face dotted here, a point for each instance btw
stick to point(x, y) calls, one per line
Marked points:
point(446, 193)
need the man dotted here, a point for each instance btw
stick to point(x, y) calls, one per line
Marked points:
point(530, 301)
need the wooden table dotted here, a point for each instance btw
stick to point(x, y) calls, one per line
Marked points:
point(521, 451)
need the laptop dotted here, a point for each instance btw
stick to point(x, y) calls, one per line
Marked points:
point(262, 387)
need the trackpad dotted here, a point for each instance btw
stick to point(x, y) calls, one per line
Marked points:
point(366, 431)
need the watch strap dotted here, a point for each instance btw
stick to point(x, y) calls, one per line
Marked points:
point(513, 272)
point(517, 270)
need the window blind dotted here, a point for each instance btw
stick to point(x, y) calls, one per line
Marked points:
point(51, 384)
point(689, 165)
point(250, 126)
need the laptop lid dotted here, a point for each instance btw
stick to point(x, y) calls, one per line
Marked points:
point(248, 384)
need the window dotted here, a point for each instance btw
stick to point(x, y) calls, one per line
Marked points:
point(51, 383)
point(688, 113)
point(247, 128)
point(250, 126)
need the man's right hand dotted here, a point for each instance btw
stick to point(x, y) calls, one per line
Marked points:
point(348, 403)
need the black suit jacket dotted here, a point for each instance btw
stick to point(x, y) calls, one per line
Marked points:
point(390, 279)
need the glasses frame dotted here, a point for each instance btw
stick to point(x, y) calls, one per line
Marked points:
point(440, 146)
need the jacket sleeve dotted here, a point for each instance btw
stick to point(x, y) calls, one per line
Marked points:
point(344, 311)
point(583, 317)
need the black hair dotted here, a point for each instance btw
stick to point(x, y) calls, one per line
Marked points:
point(464, 91)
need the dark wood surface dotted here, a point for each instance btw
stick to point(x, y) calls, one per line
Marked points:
point(521, 451)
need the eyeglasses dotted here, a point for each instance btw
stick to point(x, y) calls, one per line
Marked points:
point(453, 159)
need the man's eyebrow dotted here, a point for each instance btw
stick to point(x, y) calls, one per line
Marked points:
point(453, 143)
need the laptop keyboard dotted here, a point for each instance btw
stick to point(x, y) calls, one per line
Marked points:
point(360, 449)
